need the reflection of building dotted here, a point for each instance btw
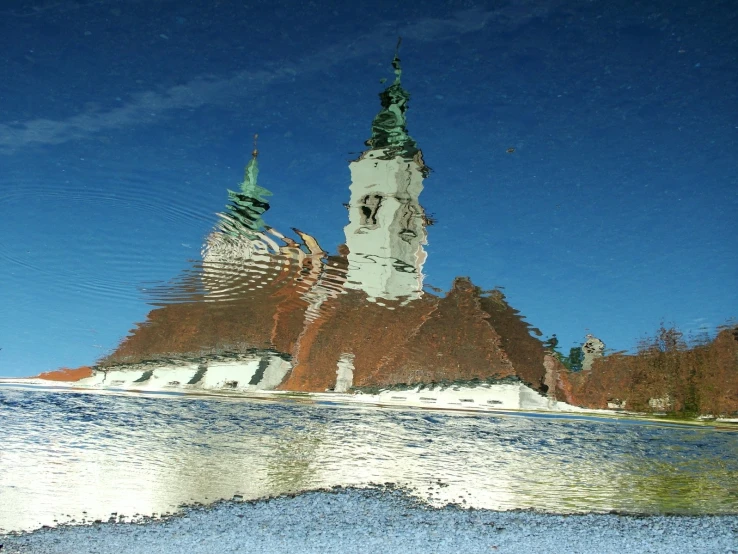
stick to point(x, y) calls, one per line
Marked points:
point(702, 379)
point(386, 231)
point(271, 312)
point(592, 349)
point(241, 249)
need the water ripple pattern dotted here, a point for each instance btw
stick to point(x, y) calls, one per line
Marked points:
point(80, 246)
point(74, 258)
point(81, 457)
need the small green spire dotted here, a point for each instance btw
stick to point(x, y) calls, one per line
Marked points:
point(389, 128)
point(247, 206)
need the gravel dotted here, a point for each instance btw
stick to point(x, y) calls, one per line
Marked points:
point(381, 520)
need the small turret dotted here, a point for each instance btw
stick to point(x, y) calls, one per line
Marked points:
point(246, 207)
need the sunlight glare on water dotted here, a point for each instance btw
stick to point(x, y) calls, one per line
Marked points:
point(69, 456)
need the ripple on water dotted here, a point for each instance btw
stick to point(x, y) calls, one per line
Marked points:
point(138, 209)
point(65, 452)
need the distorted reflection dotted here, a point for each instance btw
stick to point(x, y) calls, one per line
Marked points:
point(270, 311)
point(386, 231)
point(87, 456)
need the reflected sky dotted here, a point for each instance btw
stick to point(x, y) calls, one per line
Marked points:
point(69, 456)
point(583, 155)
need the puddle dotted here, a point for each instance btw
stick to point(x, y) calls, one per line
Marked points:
point(72, 457)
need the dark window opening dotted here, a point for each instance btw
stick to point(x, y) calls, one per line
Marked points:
point(370, 205)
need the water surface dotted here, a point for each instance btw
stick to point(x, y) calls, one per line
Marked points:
point(85, 456)
point(583, 153)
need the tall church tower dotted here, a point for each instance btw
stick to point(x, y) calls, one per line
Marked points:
point(386, 233)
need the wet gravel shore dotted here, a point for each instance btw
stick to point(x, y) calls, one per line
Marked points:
point(350, 520)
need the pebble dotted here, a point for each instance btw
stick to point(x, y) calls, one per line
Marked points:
point(381, 520)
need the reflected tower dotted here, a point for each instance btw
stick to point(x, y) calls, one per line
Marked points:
point(386, 233)
point(240, 246)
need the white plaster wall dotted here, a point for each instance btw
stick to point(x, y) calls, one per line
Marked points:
point(344, 373)
point(373, 250)
point(220, 373)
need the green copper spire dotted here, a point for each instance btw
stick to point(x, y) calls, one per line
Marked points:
point(247, 206)
point(389, 128)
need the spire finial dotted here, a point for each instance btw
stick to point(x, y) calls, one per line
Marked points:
point(255, 151)
point(389, 128)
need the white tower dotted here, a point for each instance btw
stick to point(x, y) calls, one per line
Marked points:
point(386, 231)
